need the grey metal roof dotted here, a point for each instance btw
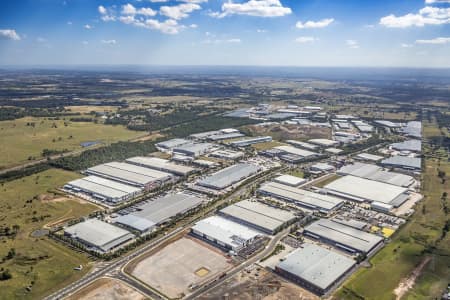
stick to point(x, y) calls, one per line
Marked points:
point(303, 197)
point(160, 164)
point(225, 136)
point(253, 140)
point(229, 175)
point(344, 235)
point(376, 173)
point(316, 265)
point(101, 234)
point(323, 142)
point(368, 156)
point(163, 208)
point(258, 214)
point(128, 173)
point(226, 231)
point(135, 222)
point(296, 151)
point(302, 144)
point(361, 189)
point(103, 187)
point(413, 129)
point(409, 145)
point(290, 180)
point(172, 143)
point(194, 148)
point(403, 161)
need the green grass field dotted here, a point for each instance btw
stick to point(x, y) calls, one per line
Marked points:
point(19, 141)
point(409, 246)
point(40, 260)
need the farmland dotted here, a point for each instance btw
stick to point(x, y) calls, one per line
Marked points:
point(26, 138)
point(27, 205)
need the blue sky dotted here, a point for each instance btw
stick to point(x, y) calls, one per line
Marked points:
point(397, 33)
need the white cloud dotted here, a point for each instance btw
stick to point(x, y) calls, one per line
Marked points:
point(314, 24)
point(305, 39)
point(109, 42)
point(102, 10)
point(404, 45)
point(69, 23)
point(180, 11)
point(85, 43)
point(426, 16)
point(436, 1)
point(130, 10)
point(256, 8)
point(352, 44)
point(87, 26)
point(261, 30)
point(168, 26)
point(41, 40)
point(193, 26)
point(9, 34)
point(435, 41)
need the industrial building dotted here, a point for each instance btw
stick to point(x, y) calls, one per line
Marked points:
point(315, 268)
point(227, 154)
point(409, 145)
point(413, 129)
point(320, 168)
point(228, 176)
point(168, 145)
point(258, 215)
point(162, 209)
point(103, 190)
point(293, 154)
point(323, 142)
point(98, 235)
point(131, 174)
point(368, 157)
point(302, 198)
point(303, 145)
point(289, 180)
point(250, 141)
point(192, 149)
point(403, 162)
point(342, 236)
point(217, 135)
point(161, 165)
point(377, 173)
point(133, 222)
point(225, 233)
point(365, 190)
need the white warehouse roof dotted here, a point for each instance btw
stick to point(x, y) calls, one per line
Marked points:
point(305, 198)
point(161, 164)
point(376, 173)
point(289, 180)
point(361, 189)
point(229, 176)
point(296, 151)
point(99, 234)
point(225, 231)
point(258, 215)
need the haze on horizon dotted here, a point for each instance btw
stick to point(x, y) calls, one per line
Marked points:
point(371, 33)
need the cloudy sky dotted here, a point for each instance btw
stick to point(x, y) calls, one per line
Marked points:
point(397, 33)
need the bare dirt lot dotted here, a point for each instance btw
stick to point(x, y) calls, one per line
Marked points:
point(179, 265)
point(258, 284)
point(107, 289)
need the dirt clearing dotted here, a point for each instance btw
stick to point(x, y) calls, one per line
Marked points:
point(107, 289)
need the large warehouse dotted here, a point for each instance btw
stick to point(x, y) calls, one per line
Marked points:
point(225, 233)
point(315, 268)
point(365, 190)
point(98, 235)
point(161, 165)
point(343, 236)
point(293, 154)
point(162, 209)
point(376, 173)
point(250, 141)
point(130, 174)
point(403, 162)
point(228, 176)
point(259, 216)
point(104, 190)
point(168, 145)
point(303, 198)
point(193, 149)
